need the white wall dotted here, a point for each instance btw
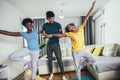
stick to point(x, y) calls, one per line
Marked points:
point(67, 20)
point(111, 18)
point(10, 20)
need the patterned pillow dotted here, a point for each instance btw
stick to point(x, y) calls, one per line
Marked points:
point(89, 49)
point(98, 50)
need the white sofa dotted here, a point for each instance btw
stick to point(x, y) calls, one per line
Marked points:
point(107, 66)
point(110, 54)
point(67, 62)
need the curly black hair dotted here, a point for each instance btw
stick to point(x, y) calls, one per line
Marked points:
point(66, 28)
point(26, 20)
point(50, 14)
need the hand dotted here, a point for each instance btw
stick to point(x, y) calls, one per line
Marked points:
point(59, 35)
point(93, 3)
point(49, 36)
point(43, 33)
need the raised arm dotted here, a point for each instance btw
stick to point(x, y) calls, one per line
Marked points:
point(9, 33)
point(88, 14)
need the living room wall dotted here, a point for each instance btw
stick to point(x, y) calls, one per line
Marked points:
point(110, 22)
point(10, 20)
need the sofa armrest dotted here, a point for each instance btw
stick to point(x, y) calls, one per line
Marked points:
point(118, 51)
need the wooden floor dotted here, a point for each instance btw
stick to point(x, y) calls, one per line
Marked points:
point(58, 76)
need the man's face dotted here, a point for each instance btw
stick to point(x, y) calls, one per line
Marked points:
point(50, 19)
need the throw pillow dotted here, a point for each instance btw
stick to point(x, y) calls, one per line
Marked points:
point(98, 50)
point(110, 50)
point(90, 49)
point(69, 52)
point(64, 52)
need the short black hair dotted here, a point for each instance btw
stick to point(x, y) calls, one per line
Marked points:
point(50, 14)
point(66, 28)
point(26, 20)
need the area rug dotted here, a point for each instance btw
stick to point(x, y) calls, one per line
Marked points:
point(83, 78)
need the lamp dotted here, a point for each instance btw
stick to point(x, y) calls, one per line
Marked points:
point(61, 16)
point(103, 33)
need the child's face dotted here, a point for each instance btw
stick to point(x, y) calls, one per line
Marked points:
point(71, 28)
point(50, 19)
point(29, 26)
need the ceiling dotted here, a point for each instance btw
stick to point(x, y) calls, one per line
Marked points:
point(38, 8)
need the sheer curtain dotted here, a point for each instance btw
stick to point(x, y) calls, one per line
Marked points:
point(38, 23)
point(89, 31)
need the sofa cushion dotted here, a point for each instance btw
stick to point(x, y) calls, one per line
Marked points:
point(97, 51)
point(104, 64)
point(118, 51)
point(67, 62)
point(89, 49)
point(64, 52)
point(110, 50)
point(69, 52)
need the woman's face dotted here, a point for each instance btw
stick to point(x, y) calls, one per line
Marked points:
point(29, 26)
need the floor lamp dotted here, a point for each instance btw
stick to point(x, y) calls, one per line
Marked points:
point(102, 41)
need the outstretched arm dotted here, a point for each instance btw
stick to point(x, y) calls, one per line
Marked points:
point(54, 35)
point(88, 14)
point(9, 33)
point(58, 35)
